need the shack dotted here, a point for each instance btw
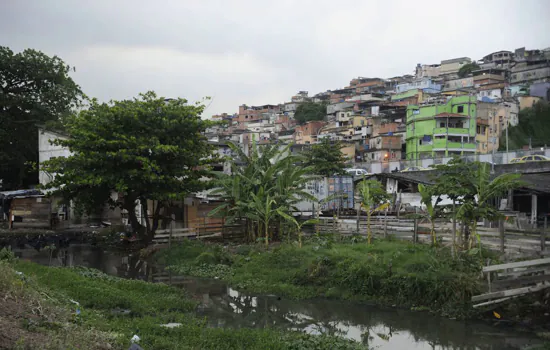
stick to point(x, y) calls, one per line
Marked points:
point(26, 208)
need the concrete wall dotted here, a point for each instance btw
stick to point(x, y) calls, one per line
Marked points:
point(459, 84)
point(421, 123)
point(453, 65)
point(48, 151)
point(535, 74)
point(425, 84)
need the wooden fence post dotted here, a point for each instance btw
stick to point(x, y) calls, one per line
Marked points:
point(415, 230)
point(543, 235)
point(358, 218)
point(386, 224)
point(501, 234)
point(172, 217)
point(489, 276)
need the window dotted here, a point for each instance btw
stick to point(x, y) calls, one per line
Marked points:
point(460, 109)
point(442, 124)
point(479, 129)
point(500, 118)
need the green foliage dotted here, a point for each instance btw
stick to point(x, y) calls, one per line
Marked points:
point(373, 197)
point(7, 255)
point(433, 211)
point(471, 186)
point(533, 126)
point(390, 272)
point(310, 111)
point(467, 69)
point(151, 305)
point(145, 149)
point(326, 158)
point(263, 185)
point(34, 89)
point(93, 290)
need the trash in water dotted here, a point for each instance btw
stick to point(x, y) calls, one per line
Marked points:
point(171, 325)
point(135, 339)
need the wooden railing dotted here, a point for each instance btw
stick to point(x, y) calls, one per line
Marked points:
point(506, 281)
point(207, 231)
point(514, 242)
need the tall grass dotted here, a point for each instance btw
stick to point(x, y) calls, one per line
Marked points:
point(150, 305)
point(387, 271)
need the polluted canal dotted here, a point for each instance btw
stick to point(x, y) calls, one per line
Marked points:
point(381, 327)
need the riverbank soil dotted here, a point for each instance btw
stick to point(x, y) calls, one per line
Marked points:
point(31, 319)
point(79, 308)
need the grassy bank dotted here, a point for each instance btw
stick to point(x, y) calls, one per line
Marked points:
point(391, 272)
point(38, 310)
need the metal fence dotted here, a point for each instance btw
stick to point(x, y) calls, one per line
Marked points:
point(496, 158)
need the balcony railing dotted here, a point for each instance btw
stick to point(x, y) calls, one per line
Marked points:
point(444, 144)
point(457, 131)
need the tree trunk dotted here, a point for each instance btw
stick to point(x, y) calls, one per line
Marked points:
point(266, 235)
point(369, 233)
point(466, 235)
point(130, 206)
point(156, 219)
point(453, 247)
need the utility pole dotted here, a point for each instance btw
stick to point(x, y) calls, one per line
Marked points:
point(494, 141)
point(507, 116)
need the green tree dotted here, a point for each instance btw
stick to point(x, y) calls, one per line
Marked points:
point(533, 128)
point(326, 158)
point(267, 182)
point(470, 185)
point(467, 69)
point(145, 149)
point(34, 89)
point(310, 111)
point(433, 211)
point(373, 198)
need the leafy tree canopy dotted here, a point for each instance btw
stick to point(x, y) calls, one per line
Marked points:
point(534, 126)
point(146, 148)
point(309, 111)
point(264, 188)
point(34, 89)
point(475, 190)
point(326, 158)
point(467, 69)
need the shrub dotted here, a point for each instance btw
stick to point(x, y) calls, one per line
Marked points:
point(206, 258)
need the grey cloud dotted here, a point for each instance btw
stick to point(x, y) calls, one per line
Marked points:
point(287, 45)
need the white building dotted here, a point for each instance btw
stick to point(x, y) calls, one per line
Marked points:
point(47, 151)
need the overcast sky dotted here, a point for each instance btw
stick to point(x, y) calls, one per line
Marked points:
point(257, 52)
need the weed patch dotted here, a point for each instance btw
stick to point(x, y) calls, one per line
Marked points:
point(75, 308)
point(391, 272)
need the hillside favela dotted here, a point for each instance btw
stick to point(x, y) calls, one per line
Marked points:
point(261, 175)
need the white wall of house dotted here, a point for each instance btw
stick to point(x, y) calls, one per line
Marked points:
point(48, 151)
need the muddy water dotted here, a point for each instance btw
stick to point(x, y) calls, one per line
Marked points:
point(382, 328)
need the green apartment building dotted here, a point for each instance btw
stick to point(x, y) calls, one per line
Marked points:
point(442, 129)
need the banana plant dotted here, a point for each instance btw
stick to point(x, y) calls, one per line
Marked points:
point(297, 224)
point(373, 198)
point(432, 210)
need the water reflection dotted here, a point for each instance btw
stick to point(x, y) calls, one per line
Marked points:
point(383, 328)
